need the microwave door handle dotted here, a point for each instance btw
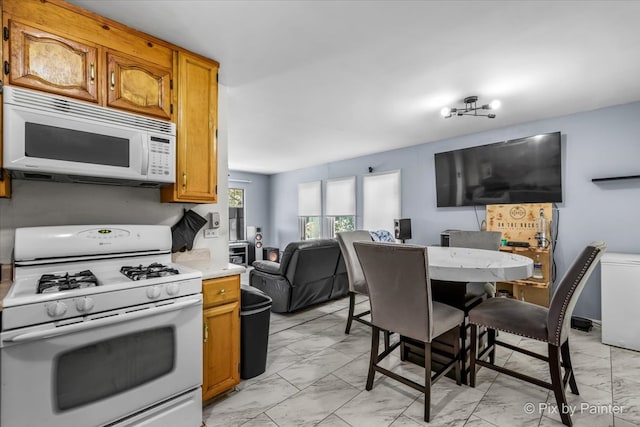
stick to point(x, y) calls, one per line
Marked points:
point(145, 155)
point(103, 321)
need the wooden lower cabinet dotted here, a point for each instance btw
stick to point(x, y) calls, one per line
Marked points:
point(221, 335)
point(5, 184)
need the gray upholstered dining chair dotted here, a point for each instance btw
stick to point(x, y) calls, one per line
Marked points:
point(397, 277)
point(357, 284)
point(550, 325)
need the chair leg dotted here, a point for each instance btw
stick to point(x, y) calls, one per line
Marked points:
point(458, 355)
point(566, 361)
point(472, 355)
point(491, 342)
point(558, 387)
point(427, 381)
point(375, 342)
point(387, 339)
point(463, 345)
point(352, 304)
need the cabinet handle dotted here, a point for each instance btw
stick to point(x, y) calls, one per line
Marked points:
point(92, 74)
point(221, 291)
point(113, 80)
point(184, 179)
point(206, 332)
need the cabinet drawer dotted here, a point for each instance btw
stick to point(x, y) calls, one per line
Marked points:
point(221, 291)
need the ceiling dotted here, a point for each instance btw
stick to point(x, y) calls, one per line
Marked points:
point(310, 82)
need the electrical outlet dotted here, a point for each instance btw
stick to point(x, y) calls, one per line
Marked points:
point(211, 233)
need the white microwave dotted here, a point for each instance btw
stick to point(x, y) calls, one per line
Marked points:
point(54, 138)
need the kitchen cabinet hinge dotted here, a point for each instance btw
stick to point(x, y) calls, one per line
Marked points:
point(171, 108)
point(1, 88)
point(6, 67)
point(216, 188)
point(5, 33)
point(216, 134)
point(217, 79)
point(171, 84)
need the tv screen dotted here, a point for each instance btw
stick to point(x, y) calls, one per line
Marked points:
point(525, 170)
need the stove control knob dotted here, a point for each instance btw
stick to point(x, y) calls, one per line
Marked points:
point(173, 289)
point(56, 309)
point(153, 292)
point(84, 304)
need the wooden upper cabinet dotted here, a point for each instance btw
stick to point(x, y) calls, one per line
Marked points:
point(46, 61)
point(137, 86)
point(196, 145)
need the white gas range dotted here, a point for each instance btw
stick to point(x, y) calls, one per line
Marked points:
point(100, 328)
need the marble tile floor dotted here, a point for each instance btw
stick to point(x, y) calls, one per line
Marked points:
point(316, 376)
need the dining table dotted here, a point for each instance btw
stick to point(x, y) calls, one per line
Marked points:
point(464, 265)
point(450, 269)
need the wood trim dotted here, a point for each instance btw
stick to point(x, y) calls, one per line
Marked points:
point(92, 26)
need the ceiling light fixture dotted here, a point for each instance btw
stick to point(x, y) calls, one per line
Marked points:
point(471, 109)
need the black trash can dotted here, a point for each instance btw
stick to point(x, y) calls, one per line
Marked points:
point(255, 310)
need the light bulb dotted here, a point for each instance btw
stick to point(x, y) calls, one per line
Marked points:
point(495, 104)
point(445, 112)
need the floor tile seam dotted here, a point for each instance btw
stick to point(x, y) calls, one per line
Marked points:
point(341, 406)
point(302, 323)
point(356, 357)
point(278, 402)
point(407, 408)
point(627, 420)
point(272, 420)
point(310, 355)
point(335, 410)
point(290, 383)
point(479, 417)
point(306, 356)
point(489, 388)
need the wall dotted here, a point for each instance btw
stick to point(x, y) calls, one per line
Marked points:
point(48, 203)
point(595, 144)
point(257, 199)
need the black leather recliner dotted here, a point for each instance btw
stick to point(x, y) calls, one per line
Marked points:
point(310, 272)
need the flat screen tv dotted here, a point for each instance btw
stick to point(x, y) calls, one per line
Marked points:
point(525, 170)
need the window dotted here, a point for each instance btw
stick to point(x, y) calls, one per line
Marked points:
point(341, 205)
point(381, 200)
point(309, 210)
point(236, 214)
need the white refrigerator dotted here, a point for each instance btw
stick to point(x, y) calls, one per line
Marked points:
point(620, 294)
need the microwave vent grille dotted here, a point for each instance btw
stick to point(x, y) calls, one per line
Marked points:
point(83, 110)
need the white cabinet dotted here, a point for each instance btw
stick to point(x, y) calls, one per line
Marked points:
point(620, 295)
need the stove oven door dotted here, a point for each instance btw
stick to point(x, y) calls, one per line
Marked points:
point(121, 365)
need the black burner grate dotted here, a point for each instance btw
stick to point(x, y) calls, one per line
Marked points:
point(147, 272)
point(64, 282)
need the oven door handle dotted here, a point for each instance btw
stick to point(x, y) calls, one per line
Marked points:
point(104, 321)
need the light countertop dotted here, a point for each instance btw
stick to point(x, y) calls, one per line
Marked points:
point(200, 259)
point(211, 272)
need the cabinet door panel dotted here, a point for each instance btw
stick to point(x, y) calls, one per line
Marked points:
point(138, 87)
point(196, 173)
point(45, 61)
point(221, 356)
